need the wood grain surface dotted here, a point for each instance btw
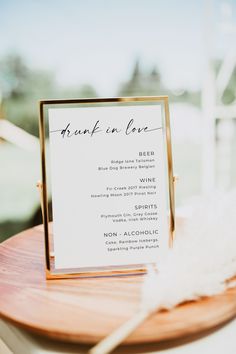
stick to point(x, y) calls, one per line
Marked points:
point(86, 310)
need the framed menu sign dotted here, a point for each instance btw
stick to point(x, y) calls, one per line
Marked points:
point(111, 184)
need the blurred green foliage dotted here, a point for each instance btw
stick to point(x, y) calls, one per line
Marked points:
point(229, 94)
point(142, 83)
point(22, 87)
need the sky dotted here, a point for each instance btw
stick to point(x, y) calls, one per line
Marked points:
point(98, 41)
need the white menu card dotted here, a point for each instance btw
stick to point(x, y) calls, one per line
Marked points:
point(109, 183)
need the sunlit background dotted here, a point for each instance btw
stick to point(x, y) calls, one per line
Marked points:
point(75, 48)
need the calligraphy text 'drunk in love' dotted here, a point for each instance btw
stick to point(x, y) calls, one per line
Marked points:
point(130, 128)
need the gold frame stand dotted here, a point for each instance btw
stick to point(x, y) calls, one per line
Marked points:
point(51, 273)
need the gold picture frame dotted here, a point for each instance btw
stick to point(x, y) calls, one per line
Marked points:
point(51, 272)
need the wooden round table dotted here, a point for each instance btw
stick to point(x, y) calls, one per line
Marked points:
point(86, 310)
